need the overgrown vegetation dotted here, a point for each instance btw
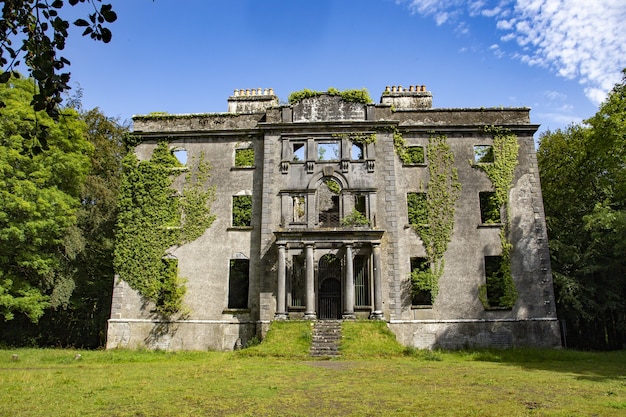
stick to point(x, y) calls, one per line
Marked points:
point(583, 182)
point(434, 218)
point(353, 96)
point(244, 157)
point(153, 220)
point(499, 290)
point(355, 218)
point(242, 211)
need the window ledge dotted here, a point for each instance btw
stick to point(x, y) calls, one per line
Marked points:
point(498, 308)
point(236, 311)
point(239, 228)
point(423, 164)
point(490, 225)
point(246, 168)
point(421, 307)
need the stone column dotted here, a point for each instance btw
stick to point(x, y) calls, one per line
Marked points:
point(281, 312)
point(348, 290)
point(309, 312)
point(377, 314)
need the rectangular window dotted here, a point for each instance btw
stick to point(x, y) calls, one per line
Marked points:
point(297, 281)
point(483, 154)
point(299, 152)
point(299, 209)
point(360, 204)
point(415, 155)
point(361, 281)
point(238, 281)
point(496, 285)
point(421, 282)
point(417, 208)
point(489, 208)
point(328, 151)
point(244, 157)
point(242, 210)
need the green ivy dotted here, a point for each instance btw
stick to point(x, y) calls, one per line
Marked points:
point(352, 96)
point(443, 192)
point(333, 186)
point(153, 219)
point(409, 155)
point(361, 138)
point(355, 218)
point(242, 211)
point(244, 157)
point(501, 173)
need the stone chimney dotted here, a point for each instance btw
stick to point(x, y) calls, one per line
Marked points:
point(414, 97)
point(252, 100)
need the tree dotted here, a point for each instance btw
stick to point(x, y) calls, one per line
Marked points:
point(43, 165)
point(583, 175)
point(34, 31)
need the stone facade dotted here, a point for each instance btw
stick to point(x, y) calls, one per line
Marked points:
point(309, 173)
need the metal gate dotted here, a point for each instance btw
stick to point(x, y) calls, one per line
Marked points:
point(329, 277)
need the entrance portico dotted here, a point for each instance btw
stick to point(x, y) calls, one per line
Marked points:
point(316, 276)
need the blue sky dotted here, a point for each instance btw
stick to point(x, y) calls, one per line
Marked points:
point(558, 57)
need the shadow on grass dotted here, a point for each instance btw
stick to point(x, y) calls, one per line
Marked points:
point(591, 366)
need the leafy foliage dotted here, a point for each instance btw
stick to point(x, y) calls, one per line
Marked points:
point(33, 30)
point(151, 221)
point(244, 157)
point(353, 96)
point(583, 179)
point(443, 191)
point(501, 173)
point(242, 210)
point(355, 218)
point(43, 165)
point(409, 155)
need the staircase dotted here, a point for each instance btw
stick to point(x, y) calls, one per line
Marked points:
point(326, 338)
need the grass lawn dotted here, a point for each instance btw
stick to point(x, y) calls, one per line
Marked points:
point(374, 377)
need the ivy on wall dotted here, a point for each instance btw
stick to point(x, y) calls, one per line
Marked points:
point(361, 138)
point(152, 219)
point(409, 155)
point(501, 174)
point(434, 220)
point(352, 96)
point(244, 157)
point(332, 185)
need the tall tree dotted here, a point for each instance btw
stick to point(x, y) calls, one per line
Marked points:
point(43, 165)
point(583, 174)
point(33, 30)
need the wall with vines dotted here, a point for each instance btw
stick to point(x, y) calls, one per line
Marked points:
point(434, 221)
point(153, 218)
point(501, 174)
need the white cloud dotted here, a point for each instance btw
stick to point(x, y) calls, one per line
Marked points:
point(577, 39)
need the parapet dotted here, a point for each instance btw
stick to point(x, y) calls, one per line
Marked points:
point(252, 100)
point(414, 97)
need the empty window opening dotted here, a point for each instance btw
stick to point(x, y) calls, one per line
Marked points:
point(357, 152)
point(238, 282)
point(328, 151)
point(496, 284)
point(242, 210)
point(361, 281)
point(328, 203)
point(421, 282)
point(181, 155)
point(299, 209)
point(417, 209)
point(299, 152)
point(489, 208)
point(360, 204)
point(244, 157)
point(483, 154)
point(415, 155)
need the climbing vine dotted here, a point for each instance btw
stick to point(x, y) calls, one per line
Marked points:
point(409, 155)
point(501, 173)
point(355, 218)
point(434, 220)
point(353, 96)
point(153, 218)
point(361, 138)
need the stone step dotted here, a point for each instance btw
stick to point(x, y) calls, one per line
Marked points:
point(326, 338)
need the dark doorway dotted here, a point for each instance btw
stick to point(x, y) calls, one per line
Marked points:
point(329, 277)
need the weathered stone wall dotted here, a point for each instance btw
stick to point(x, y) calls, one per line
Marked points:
point(457, 317)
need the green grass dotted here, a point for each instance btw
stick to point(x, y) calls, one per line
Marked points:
point(374, 377)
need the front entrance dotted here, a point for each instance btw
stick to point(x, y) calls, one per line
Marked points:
point(329, 277)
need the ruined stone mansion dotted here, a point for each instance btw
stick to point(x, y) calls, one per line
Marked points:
point(315, 219)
